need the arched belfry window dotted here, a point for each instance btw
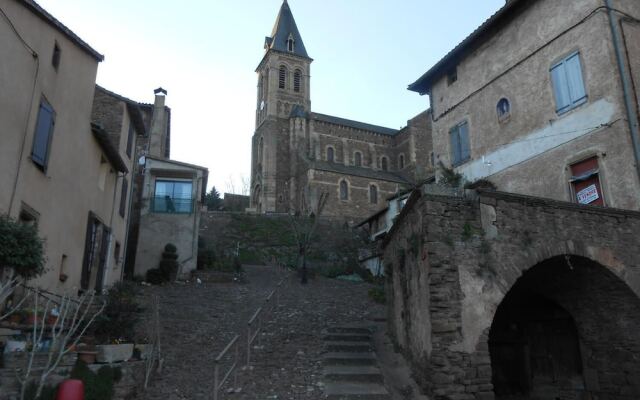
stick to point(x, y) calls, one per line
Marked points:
point(282, 77)
point(260, 150)
point(373, 194)
point(384, 164)
point(357, 159)
point(401, 161)
point(291, 44)
point(297, 78)
point(344, 190)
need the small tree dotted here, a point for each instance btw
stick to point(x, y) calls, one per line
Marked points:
point(21, 258)
point(213, 200)
point(304, 223)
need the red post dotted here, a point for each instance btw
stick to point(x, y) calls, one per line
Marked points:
point(71, 389)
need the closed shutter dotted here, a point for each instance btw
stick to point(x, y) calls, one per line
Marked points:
point(454, 138)
point(560, 87)
point(44, 129)
point(574, 79)
point(465, 151)
point(123, 197)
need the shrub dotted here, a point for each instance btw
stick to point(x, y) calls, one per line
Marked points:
point(377, 294)
point(21, 248)
point(167, 268)
point(120, 314)
point(97, 386)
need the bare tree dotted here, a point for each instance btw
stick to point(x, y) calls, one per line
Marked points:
point(245, 185)
point(73, 319)
point(230, 184)
point(304, 223)
point(8, 286)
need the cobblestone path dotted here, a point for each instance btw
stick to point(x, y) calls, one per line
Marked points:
point(198, 320)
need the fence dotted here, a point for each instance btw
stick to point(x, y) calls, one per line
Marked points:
point(231, 370)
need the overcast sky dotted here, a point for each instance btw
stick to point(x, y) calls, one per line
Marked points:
point(204, 52)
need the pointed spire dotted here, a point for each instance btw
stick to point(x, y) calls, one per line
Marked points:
point(285, 36)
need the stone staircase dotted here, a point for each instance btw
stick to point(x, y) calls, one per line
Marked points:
point(351, 367)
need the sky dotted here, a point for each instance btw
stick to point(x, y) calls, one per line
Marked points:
point(205, 52)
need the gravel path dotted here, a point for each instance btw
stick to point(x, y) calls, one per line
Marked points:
point(198, 320)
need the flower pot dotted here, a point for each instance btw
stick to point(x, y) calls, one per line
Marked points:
point(110, 353)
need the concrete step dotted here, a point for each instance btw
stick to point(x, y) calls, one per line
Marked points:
point(348, 329)
point(353, 373)
point(345, 358)
point(350, 347)
point(355, 391)
point(347, 337)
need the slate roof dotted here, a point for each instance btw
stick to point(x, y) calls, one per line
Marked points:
point(285, 27)
point(357, 171)
point(500, 18)
point(48, 18)
point(132, 106)
point(354, 124)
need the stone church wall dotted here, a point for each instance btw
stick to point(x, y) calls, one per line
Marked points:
point(451, 261)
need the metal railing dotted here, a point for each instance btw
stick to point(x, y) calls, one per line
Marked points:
point(232, 369)
point(171, 205)
point(255, 324)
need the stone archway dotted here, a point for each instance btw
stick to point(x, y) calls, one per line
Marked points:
point(568, 329)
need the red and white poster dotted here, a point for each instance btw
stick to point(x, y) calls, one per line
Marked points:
point(588, 195)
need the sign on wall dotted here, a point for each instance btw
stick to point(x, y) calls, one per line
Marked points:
point(588, 195)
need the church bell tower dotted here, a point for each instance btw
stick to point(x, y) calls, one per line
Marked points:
point(283, 92)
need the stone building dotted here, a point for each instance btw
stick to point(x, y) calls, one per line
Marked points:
point(298, 153)
point(541, 100)
point(497, 295)
point(57, 169)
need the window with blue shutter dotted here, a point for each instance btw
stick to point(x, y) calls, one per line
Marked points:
point(42, 137)
point(568, 83)
point(459, 138)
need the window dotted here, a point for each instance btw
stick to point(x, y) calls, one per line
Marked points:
point(357, 159)
point(452, 75)
point(373, 194)
point(297, 76)
point(330, 155)
point(95, 254)
point(503, 109)
point(173, 197)
point(28, 215)
point(459, 138)
point(55, 58)
point(291, 44)
point(344, 190)
point(401, 161)
point(116, 253)
point(123, 197)
point(384, 163)
point(42, 137)
point(130, 139)
point(568, 85)
point(585, 182)
point(282, 77)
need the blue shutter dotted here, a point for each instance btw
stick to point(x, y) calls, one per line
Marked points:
point(560, 87)
point(465, 151)
point(574, 79)
point(455, 145)
point(44, 129)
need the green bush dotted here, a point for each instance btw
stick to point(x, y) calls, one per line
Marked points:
point(21, 248)
point(120, 314)
point(377, 294)
point(97, 386)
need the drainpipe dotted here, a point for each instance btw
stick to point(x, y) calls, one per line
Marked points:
point(626, 87)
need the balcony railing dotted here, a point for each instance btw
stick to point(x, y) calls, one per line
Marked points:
point(171, 205)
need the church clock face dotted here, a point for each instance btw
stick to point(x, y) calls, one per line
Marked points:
point(262, 105)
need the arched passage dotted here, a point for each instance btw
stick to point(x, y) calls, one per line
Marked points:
point(568, 329)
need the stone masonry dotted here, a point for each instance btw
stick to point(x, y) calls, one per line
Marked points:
point(453, 264)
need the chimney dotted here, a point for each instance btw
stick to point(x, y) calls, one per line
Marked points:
point(158, 135)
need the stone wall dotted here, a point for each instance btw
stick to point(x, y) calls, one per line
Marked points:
point(451, 261)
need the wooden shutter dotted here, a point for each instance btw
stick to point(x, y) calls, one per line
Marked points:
point(454, 138)
point(465, 150)
point(574, 79)
point(123, 197)
point(44, 129)
point(560, 87)
point(88, 247)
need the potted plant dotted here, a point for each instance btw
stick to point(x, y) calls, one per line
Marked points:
point(114, 329)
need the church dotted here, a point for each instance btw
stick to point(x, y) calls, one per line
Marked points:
point(299, 154)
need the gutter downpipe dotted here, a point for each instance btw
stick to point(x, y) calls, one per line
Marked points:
point(628, 102)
